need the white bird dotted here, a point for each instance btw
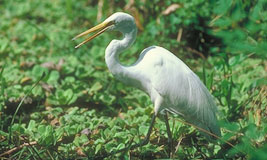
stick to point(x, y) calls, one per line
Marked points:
point(170, 83)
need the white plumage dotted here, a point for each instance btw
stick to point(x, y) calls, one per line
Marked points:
point(170, 83)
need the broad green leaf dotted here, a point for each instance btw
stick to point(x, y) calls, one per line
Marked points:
point(143, 130)
point(98, 147)
point(31, 125)
point(96, 87)
point(222, 6)
point(53, 77)
point(38, 71)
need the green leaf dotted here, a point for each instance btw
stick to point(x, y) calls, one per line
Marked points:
point(70, 97)
point(56, 111)
point(222, 6)
point(70, 79)
point(110, 146)
point(258, 82)
point(121, 146)
point(46, 135)
point(98, 147)
point(38, 71)
point(31, 125)
point(143, 130)
point(37, 91)
point(53, 77)
point(96, 87)
point(59, 133)
point(83, 139)
point(237, 59)
point(18, 128)
point(4, 44)
point(121, 134)
point(234, 127)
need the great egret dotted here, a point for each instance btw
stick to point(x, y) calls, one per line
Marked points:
point(170, 83)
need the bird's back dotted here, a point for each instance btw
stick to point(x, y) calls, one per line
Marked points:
point(182, 91)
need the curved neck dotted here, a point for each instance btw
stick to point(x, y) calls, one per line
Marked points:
point(112, 54)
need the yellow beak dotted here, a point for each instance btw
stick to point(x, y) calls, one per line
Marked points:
point(102, 27)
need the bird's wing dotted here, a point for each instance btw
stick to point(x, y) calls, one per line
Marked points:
point(182, 90)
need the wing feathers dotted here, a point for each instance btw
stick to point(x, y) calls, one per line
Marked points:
point(184, 93)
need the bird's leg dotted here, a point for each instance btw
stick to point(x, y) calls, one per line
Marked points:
point(144, 142)
point(169, 134)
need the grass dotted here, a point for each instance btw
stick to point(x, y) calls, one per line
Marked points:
point(60, 103)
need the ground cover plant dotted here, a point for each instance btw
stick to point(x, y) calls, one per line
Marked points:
point(60, 103)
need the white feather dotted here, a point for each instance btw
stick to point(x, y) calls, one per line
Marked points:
point(170, 83)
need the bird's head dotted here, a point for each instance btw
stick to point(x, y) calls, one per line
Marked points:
point(119, 21)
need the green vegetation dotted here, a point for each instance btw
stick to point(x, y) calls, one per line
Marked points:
point(57, 102)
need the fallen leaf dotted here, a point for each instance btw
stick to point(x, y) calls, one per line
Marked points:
point(52, 65)
point(80, 152)
point(25, 80)
point(26, 64)
point(258, 117)
point(55, 122)
point(95, 131)
point(170, 9)
point(121, 115)
point(60, 64)
point(47, 87)
point(49, 65)
point(86, 131)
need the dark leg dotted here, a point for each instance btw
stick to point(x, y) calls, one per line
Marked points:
point(169, 134)
point(144, 142)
